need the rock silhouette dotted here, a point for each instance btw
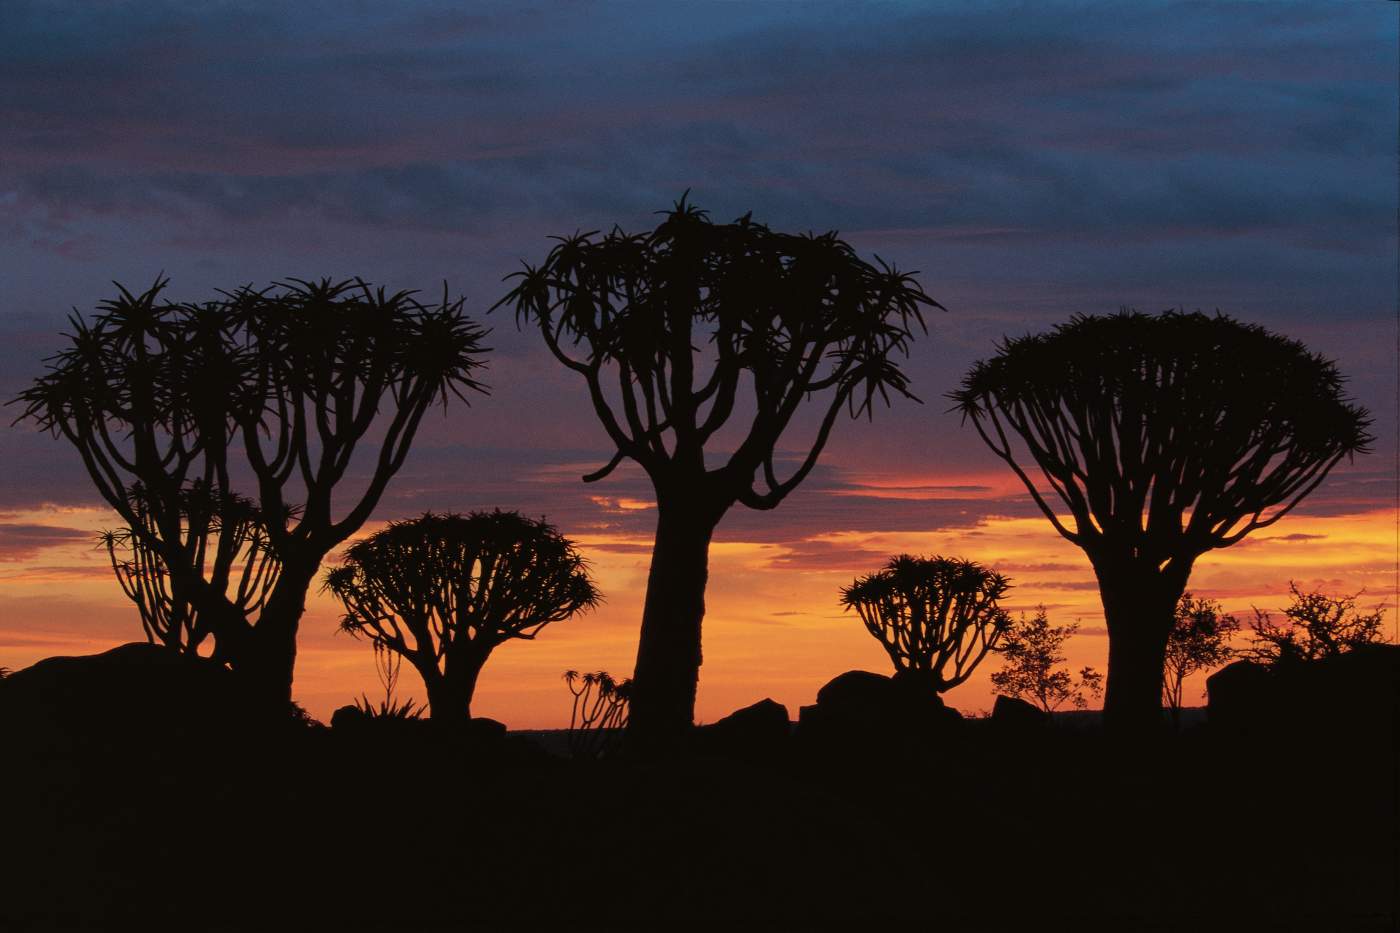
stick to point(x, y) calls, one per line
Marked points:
point(1014, 714)
point(1350, 698)
point(134, 695)
point(756, 731)
point(864, 709)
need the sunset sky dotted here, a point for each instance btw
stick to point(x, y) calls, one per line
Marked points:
point(1030, 161)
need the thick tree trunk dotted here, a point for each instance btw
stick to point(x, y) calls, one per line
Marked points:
point(267, 658)
point(1139, 607)
point(668, 652)
point(450, 694)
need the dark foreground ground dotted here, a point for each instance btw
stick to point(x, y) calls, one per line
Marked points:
point(980, 829)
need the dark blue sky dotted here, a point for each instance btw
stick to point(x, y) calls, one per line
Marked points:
point(1031, 160)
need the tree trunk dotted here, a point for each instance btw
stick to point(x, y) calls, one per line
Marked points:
point(450, 693)
point(1139, 609)
point(268, 657)
point(662, 707)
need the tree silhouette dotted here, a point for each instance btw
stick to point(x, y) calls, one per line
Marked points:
point(1199, 640)
point(935, 617)
point(1315, 626)
point(599, 711)
point(1163, 436)
point(227, 546)
point(675, 330)
point(159, 397)
point(443, 591)
point(1030, 671)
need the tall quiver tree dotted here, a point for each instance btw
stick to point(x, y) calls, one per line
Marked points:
point(443, 591)
point(936, 617)
point(1163, 436)
point(686, 329)
point(159, 397)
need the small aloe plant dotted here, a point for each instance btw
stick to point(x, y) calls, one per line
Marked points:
point(599, 713)
point(386, 665)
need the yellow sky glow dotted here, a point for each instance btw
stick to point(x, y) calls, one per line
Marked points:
point(773, 626)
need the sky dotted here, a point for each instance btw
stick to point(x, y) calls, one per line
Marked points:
point(1031, 161)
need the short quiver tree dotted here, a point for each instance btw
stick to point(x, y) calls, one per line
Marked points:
point(1163, 437)
point(443, 591)
point(227, 544)
point(935, 617)
point(696, 328)
point(598, 713)
point(272, 389)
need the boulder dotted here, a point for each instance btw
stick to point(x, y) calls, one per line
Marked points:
point(1239, 695)
point(1015, 714)
point(349, 716)
point(858, 692)
point(752, 732)
point(133, 697)
point(865, 708)
point(1351, 697)
point(1356, 690)
point(484, 730)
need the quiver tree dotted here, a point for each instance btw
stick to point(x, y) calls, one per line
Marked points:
point(1163, 437)
point(935, 617)
point(696, 327)
point(443, 591)
point(274, 389)
point(598, 713)
point(228, 548)
point(1199, 640)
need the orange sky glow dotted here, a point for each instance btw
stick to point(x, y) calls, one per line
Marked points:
point(773, 625)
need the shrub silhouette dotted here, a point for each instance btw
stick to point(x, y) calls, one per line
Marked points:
point(599, 713)
point(227, 546)
point(665, 327)
point(1030, 671)
point(1199, 640)
point(443, 591)
point(935, 617)
point(1163, 437)
point(159, 397)
point(1315, 626)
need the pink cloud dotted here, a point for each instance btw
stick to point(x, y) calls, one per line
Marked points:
point(23, 541)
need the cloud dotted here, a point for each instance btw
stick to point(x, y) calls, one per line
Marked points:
point(24, 541)
point(1053, 126)
point(1070, 158)
point(61, 573)
point(1295, 538)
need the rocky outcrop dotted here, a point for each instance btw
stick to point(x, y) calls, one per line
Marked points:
point(861, 708)
point(757, 731)
point(132, 697)
point(1352, 697)
point(1016, 715)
